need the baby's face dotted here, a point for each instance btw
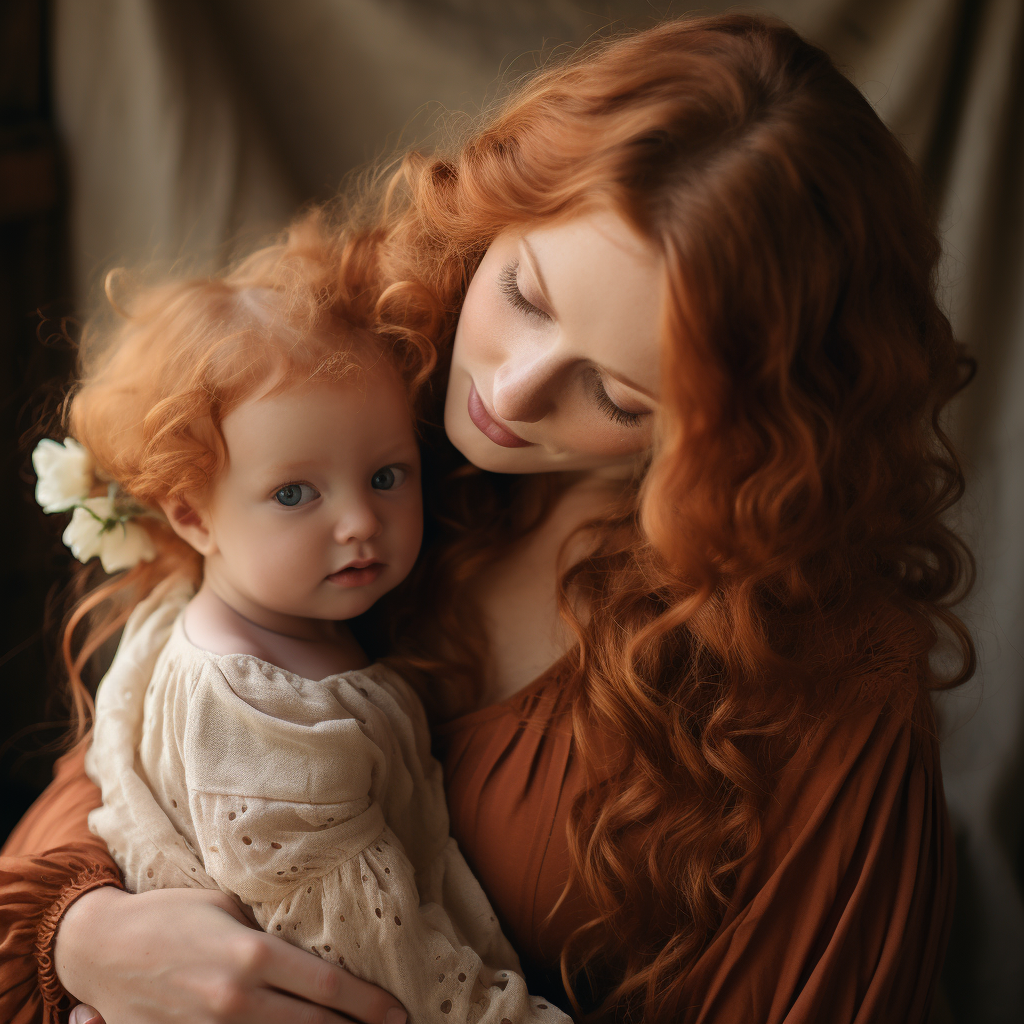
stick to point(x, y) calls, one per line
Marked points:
point(319, 511)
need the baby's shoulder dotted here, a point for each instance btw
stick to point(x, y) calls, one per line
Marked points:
point(393, 695)
point(245, 681)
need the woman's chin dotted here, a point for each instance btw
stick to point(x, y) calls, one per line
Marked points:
point(485, 454)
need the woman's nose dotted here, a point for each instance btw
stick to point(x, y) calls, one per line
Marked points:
point(526, 386)
point(357, 522)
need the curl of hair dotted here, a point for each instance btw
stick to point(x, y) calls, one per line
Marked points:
point(785, 555)
point(164, 363)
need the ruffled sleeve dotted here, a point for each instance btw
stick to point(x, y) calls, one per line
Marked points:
point(49, 860)
point(845, 913)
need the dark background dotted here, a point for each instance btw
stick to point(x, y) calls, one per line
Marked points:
point(35, 295)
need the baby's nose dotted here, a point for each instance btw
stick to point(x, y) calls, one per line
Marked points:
point(356, 523)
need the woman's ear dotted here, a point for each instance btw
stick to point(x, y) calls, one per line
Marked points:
point(190, 523)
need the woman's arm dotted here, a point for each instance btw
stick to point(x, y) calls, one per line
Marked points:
point(142, 959)
point(48, 862)
point(187, 954)
point(844, 914)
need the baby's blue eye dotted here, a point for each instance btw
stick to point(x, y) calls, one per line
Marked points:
point(387, 478)
point(296, 494)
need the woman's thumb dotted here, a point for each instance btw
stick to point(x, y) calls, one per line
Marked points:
point(83, 1014)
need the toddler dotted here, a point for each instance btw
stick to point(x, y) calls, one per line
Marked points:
point(256, 438)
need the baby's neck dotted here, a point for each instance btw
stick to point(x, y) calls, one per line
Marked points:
point(212, 624)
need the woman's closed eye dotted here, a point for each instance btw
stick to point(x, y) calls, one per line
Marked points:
point(293, 495)
point(604, 401)
point(508, 284)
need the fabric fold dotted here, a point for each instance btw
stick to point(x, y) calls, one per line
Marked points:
point(34, 893)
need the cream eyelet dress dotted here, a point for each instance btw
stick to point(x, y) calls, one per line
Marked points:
point(315, 803)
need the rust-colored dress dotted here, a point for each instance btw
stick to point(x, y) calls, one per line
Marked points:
point(842, 917)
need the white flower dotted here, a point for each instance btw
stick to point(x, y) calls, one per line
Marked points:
point(94, 530)
point(85, 531)
point(84, 534)
point(65, 474)
point(125, 545)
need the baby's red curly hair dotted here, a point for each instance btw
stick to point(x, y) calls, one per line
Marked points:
point(164, 362)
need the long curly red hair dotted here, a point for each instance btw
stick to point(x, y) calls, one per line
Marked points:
point(785, 555)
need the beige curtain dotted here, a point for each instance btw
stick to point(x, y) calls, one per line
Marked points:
point(192, 128)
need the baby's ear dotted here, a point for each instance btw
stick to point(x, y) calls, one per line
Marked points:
point(189, 523)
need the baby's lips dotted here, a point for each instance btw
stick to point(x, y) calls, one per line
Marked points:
point(356, 575)
point(357, 563)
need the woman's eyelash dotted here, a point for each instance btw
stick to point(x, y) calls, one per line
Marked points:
point(509, 287)
point(626, 419)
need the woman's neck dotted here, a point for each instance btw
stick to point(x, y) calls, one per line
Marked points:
point(516, 593)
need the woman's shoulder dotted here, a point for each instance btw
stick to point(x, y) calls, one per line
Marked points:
point(851, 774)
point(855, 866)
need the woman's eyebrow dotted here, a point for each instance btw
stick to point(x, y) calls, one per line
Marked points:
point(531, 258)
point(631, 384)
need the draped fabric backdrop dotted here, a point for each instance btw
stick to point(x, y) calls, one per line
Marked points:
point(193, 128)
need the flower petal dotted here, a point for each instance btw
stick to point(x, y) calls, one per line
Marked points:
point(65, 474)
point(124, 546)
point(83, 535)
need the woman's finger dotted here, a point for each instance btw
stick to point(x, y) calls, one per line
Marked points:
point(84, 1014)
point(272, 1007)
point(295, 971)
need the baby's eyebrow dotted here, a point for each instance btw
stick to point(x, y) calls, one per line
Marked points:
point(277, 469)
point(402, 447)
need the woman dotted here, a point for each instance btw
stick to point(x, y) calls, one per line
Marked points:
point(685, 618)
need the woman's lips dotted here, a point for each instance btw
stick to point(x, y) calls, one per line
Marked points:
point(487, 424)
point(356, 575)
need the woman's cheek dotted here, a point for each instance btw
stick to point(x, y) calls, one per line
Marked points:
point(596, 435)
point(474, 355)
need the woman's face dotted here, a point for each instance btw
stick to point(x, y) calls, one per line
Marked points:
point(556, 363)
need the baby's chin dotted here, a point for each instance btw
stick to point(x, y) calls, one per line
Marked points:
point(355, 606)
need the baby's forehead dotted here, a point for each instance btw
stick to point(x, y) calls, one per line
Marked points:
point(365, 403)
point(353, 373)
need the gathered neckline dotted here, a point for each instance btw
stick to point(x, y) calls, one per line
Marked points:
point(510, 703)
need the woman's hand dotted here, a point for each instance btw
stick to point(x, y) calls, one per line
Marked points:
point(189, 955)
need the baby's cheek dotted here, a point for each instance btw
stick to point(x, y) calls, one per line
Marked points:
point(413, 536)
point(281, 565)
